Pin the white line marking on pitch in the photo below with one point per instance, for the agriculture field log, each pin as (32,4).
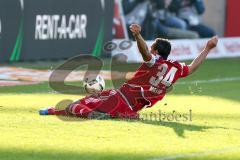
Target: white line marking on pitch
(229,79)
(197,154)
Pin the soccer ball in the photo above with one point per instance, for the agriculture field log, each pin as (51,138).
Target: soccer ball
(94,85)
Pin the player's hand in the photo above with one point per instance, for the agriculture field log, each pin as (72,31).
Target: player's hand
(135,29)
(212,43)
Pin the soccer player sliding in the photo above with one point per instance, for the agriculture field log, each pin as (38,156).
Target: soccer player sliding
(149,85)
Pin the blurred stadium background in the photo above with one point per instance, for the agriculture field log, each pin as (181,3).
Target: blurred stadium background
(38,36)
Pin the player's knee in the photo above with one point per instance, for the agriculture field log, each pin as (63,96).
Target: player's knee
(79,110)
(72,108)
(68,109)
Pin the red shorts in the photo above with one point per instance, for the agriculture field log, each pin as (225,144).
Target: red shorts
(112,102)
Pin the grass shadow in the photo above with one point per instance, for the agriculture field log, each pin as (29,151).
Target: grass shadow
(181,128)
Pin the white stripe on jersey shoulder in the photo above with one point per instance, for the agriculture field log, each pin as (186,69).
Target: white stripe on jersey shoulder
(182,65)
(152,61)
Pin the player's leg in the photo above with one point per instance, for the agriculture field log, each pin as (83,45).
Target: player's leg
(53,111)
(83,111)
(109,104)
(75,109)
(62,108)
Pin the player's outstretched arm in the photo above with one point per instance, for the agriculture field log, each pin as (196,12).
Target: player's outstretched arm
(212,43)
(142,46)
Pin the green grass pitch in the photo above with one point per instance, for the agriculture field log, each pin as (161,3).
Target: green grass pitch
(213,133)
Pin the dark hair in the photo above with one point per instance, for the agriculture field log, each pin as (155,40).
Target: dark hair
(163,46)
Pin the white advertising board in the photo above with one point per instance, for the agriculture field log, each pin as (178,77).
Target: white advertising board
(186,49)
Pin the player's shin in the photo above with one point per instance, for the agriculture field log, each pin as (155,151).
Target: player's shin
(62,112)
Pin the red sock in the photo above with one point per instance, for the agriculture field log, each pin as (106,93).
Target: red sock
(60,112)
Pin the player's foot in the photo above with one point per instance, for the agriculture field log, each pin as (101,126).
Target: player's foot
(47,111)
